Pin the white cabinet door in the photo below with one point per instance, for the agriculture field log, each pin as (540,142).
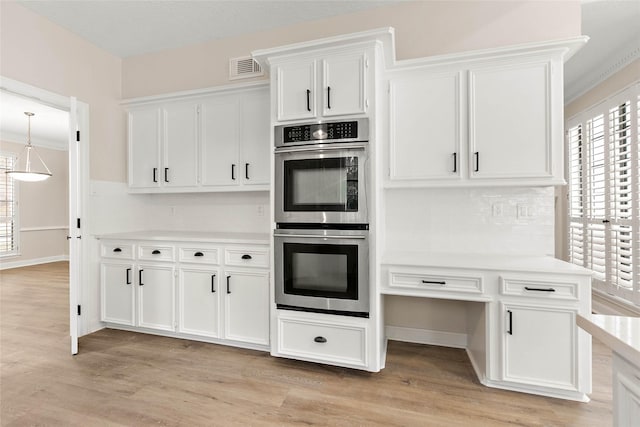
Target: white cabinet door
(344,84)
(296,90)
(144,148)
(180,168)
(255,139)
(220,139)
(539,345)
(156,297)
(117,293)
(247,306)
(425,113)
(510,121)
(199,302)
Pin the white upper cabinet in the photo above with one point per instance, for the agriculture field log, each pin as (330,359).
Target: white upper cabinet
(324,86)
(425,113)
(509,121)
(201,142)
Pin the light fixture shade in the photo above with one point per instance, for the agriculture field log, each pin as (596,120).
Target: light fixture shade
(29,166)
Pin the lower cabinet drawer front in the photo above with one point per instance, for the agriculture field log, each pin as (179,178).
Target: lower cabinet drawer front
(116,250)
(199,255)
(531,287)
(318,341)
(247,257)
(155,253)
(431,281)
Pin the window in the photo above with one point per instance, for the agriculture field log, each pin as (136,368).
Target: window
(604,205)
(8,212)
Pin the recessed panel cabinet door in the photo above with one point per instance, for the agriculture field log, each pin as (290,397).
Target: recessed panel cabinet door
(539,346)
(247,306)
(199,296)
(343,89)
(425,127)
(510,121)
(255,139)
(156,297)
(117,292)
(296,90)
(144,148)
(181,145)
(220,141)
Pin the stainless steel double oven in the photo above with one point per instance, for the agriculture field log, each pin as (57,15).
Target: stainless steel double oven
(322,180)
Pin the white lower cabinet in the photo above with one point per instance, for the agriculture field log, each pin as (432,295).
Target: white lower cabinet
(194,297)
(539,345)
(247,306)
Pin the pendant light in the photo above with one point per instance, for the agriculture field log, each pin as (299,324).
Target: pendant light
(24,169)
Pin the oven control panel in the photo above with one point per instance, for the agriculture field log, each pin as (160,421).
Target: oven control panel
(347,131)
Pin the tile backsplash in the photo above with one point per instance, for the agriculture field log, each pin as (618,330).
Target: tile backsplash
(517,221)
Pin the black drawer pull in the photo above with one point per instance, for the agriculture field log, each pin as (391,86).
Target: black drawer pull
(510,331)
(128,276)
(245,256)
(434,282)
(321,340)
(198,254)
(213,283)
(140,278)
(155,174)
(166,171)
(117,250)
(155,252)
(539,289)
(455,162)
(228,289)
(477,159)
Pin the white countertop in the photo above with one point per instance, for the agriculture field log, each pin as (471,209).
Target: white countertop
(620,333)
(192,236)
(505,262)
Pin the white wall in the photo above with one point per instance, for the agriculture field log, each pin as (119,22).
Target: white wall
(42,211)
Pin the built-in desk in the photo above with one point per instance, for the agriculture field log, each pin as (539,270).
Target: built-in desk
(622,335)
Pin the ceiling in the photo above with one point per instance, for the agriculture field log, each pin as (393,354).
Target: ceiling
(127,28)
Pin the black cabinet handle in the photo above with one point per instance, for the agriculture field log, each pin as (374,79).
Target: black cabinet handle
(233,171)
(540,289)
(434,282)
(328,97)
(246,170)
(228,289)
(166,171)
(246,256)
(455,162)
(155,252)
(213,283)
(128,276)
(198,254)
(510,331)
(605,221)
(308,100)
(321,340)
(140,278)
(117,250)
(155,174)
(477,158)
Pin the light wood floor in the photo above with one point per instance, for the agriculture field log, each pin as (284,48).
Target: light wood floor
(123,378)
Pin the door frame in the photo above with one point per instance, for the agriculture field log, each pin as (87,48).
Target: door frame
(78,119)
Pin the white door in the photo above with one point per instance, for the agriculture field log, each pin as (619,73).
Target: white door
(75,232)
(255,138)
(296,90)
(117,291)
(156,297)
(247,306)
(144,148)
(180,167)
(343,88)
(220,139)
(198,297)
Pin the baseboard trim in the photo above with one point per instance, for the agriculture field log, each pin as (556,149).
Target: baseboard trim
(426,336)
(34,261)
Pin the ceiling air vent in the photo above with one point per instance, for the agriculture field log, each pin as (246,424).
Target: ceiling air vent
(244,68)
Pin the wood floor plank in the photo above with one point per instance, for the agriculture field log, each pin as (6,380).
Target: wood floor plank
(122,378)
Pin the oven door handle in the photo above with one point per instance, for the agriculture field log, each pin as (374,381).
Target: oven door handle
(314,236)
(347,146)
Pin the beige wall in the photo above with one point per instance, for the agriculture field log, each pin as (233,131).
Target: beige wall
(423,28)
(42,209)
(37,52)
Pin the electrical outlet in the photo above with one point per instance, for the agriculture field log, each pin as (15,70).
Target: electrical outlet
(497,209)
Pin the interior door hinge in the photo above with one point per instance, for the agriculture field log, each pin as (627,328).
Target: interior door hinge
(79,310)
(78,223)
(78,136)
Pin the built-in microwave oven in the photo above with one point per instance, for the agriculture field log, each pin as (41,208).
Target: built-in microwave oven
(322,173)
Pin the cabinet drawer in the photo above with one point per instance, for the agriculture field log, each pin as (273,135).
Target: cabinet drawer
(116,250)
(433,280)
(537,288)
(199,255)
(319,341)
(247,257)
(156,252)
